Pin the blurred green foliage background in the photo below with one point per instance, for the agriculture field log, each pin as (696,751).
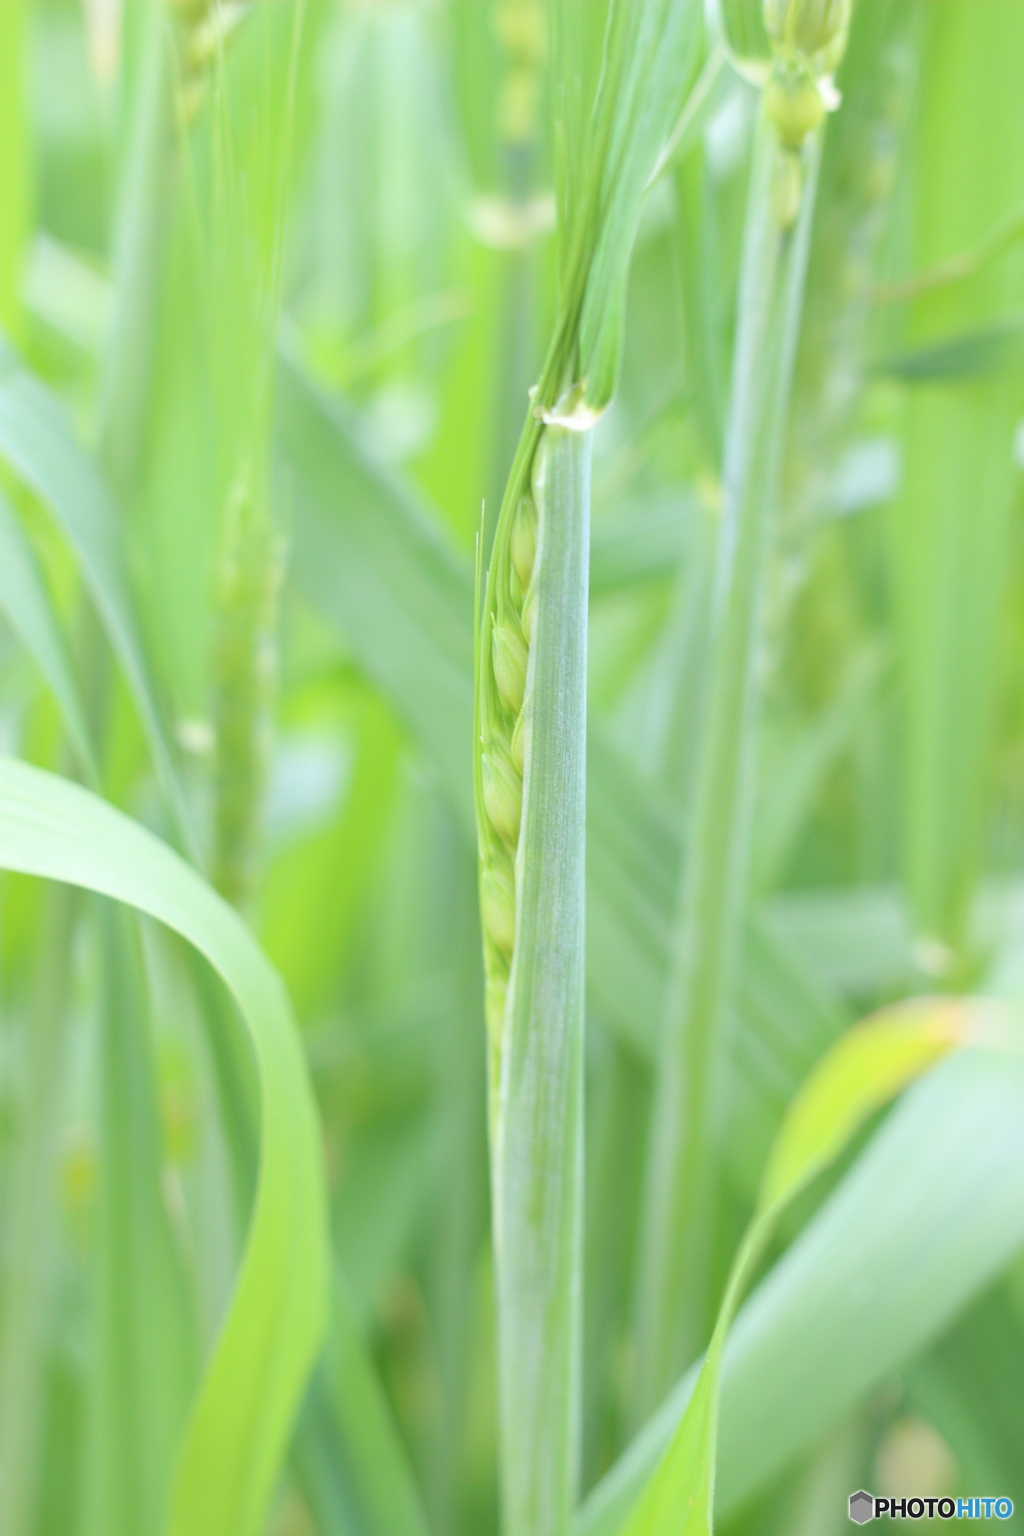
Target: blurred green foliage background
(275,278)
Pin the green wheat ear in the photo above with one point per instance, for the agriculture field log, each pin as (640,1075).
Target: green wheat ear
(504,731)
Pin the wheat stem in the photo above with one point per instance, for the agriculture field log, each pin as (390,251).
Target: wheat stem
(674,1302)
(530,760)
(531,719)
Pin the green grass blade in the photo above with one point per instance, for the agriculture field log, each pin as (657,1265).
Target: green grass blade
(315,886)
(874,1275)
(348,1456)
(928,1261)
(144,204)
(951,527)
(15,152)
(856,201)
(28,1285)
(364,551)
(678,1500)
(965,1387)
(867,1068)
(37,441)
(147,1355)
(30,612)
(864,1070)
(700,260)
(238,1426)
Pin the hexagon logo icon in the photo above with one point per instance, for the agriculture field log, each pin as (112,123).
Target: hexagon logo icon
(862,1507)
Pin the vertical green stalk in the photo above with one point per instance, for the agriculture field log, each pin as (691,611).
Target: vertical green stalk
(244,666)
(674,1304)
(146,1335)
(145,1361)
(462,1220)
(251,150)
(145,203)
(15,213)
(531,791)
(858,183)
(27,1288)
(951,527)
(530,761)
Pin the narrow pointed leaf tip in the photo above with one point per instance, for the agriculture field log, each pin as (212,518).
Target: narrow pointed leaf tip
(864,1070)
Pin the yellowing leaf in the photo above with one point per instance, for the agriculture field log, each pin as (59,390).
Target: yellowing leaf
(866,1068)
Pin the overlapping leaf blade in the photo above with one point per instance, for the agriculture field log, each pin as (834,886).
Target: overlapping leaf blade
(29,610)
(861,1072)
(238,1426)
(37,441)
(874,1276)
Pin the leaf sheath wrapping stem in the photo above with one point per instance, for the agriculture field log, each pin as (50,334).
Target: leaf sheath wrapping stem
(537,1060)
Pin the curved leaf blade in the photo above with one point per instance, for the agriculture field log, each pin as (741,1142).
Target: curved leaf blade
(240,1421)
(879,1271)
(875,1275)
(864,1070)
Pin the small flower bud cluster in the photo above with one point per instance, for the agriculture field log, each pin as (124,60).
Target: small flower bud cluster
(815,29)
(504,722)
(203,29)
(521,26)
(808,40)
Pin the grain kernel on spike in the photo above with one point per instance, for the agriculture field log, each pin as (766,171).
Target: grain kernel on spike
(521,741)
(508,650)
(539,472)
(529,613)
(503,791)
(495,993)
(498,906)
(523,544)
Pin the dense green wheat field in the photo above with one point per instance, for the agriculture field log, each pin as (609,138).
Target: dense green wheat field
(511,651)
